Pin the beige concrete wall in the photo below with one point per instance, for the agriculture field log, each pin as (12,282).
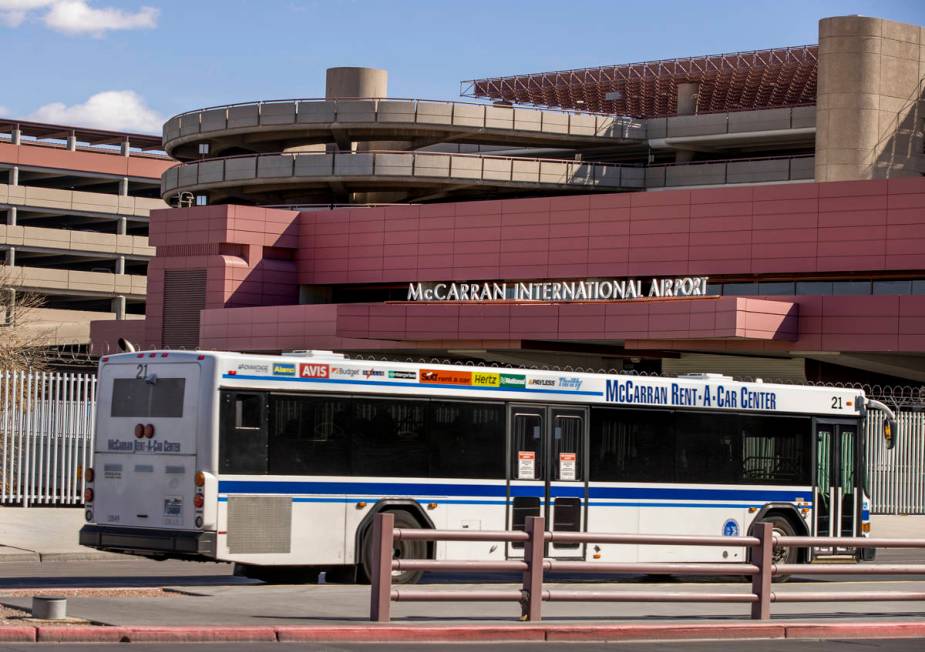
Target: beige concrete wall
(59,327)
(65,241)
(73,200)
(64,281)
(869,109)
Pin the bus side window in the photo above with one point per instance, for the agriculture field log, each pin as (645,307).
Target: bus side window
(243,433)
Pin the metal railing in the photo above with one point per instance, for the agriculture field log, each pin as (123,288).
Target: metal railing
(761,569)
(46,433)
(896,478)
(256,169)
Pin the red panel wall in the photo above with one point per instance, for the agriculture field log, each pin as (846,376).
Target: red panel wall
(777,229)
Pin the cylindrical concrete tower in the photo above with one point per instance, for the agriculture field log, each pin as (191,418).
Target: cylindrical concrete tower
(347,82)
(868,107)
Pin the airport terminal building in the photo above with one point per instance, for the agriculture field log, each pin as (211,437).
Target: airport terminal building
(756,214)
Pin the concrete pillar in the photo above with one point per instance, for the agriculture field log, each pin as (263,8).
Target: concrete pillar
(72,141)
(10,257)
(120,265)
(14,175)
(123,186)
(355,82)
(122,226)
(126,147)
(16,135)
(11,216)
(352,82)
(687,98)
(868,109)
(118,306)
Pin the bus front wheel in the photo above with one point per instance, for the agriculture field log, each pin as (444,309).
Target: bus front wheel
(401,550)
(782,527)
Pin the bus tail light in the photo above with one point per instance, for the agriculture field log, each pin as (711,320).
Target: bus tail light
(149,430)
(88,495)
(198,501)
(139,430)
(200,479)
(865,528)
(89,474)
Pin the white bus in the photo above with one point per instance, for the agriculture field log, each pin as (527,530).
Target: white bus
(279,463)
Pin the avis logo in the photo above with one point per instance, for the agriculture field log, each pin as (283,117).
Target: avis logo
(314,371)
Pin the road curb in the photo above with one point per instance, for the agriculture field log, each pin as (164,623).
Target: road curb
(440,633)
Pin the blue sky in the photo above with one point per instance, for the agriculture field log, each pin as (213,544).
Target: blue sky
(154,58)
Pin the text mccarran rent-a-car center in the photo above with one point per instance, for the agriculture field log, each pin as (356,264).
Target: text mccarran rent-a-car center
(738,213)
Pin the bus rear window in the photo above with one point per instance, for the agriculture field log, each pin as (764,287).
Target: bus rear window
(134,397)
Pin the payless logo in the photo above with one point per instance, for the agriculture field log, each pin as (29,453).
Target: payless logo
(482,379)
(436,377)
(283,369)
(309,370)
(542,382)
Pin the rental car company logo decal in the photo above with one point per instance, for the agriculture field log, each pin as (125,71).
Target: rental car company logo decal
(402,375)
(313,370)
(446,377)
(283,369)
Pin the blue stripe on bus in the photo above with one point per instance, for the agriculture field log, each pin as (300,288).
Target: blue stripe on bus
(500,490)
(344,500)
(387,383)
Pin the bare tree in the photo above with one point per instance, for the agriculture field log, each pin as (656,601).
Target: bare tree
(21,347)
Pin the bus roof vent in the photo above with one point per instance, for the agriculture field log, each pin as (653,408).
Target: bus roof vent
(703,376)
(307,353)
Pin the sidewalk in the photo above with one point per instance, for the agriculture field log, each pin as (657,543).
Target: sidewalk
(44,534)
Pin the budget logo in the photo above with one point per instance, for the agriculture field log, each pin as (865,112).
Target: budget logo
(283,369)
(483,379)
(513,380)
(309,370)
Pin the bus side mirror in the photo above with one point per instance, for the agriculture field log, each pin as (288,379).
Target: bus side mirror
(889,432)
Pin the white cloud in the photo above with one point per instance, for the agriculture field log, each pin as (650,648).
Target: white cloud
(77,16)
(114,110)
(14,12)
(4,112)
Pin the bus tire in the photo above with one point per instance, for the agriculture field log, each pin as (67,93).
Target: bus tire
(782,526)
(402,550)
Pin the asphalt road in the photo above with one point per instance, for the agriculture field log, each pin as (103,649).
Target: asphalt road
(854,645)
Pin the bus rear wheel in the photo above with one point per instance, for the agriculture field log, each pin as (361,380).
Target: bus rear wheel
(782,527)
(401,550)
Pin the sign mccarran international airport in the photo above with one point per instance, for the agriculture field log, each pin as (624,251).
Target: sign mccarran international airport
(561,291)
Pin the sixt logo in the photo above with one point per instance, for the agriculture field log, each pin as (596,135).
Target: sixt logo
(280,369)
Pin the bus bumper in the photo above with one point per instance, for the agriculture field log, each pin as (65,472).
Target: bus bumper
(149,542)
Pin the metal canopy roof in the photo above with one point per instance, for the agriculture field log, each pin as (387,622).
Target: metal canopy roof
(728,82)
(41,130)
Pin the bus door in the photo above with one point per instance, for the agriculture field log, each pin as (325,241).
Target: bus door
(837,493)
(546,465)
